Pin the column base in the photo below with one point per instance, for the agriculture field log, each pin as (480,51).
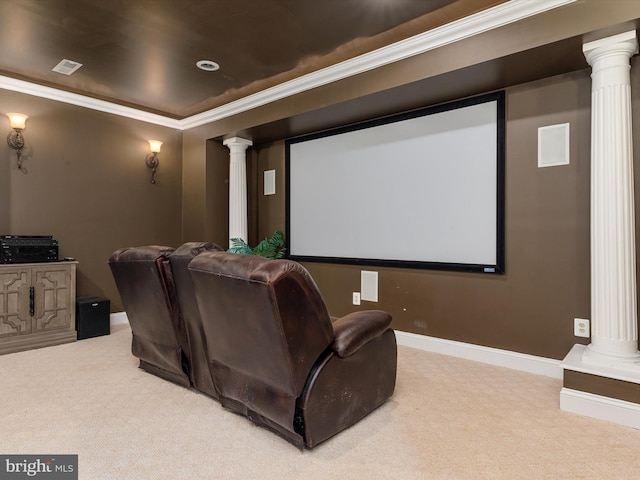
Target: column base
(620,361)
(608,390)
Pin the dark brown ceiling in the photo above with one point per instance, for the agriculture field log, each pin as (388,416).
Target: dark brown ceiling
(142,53)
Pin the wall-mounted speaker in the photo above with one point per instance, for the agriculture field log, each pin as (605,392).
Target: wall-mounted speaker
(369,286)
(553,145)
(270,182)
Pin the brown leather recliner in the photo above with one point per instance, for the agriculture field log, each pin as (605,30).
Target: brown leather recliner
(159,337)
(276,356)
(190,316)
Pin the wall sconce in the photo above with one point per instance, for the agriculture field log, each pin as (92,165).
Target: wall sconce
(15,140)
(152,160)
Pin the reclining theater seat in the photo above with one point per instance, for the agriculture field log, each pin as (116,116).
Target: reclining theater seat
(277,358)
(190,316)
(159,339)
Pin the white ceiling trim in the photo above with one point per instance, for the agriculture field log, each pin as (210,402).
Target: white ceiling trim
(484,21)
(21,86)
(492,18)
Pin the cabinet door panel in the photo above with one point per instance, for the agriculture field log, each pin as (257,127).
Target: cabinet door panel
(53,309)
(14,303)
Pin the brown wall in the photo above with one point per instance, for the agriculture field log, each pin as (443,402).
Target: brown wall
(529,309)
(217,202)
(88,186)
(539,62)
(269,209)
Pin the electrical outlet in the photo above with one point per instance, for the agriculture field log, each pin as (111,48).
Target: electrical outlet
(581,327)
(356,298)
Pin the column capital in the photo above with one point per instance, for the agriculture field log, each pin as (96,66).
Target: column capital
(624,43)
(237,142)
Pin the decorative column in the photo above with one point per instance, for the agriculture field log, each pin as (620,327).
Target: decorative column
(614,330)
(237,187)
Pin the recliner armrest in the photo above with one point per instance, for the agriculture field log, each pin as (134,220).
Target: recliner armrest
(357,328)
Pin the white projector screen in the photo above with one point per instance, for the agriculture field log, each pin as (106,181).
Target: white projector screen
(422,189)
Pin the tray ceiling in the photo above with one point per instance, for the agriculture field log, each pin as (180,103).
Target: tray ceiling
(143,53)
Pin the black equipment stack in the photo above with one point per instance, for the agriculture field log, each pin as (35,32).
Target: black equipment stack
(28,249)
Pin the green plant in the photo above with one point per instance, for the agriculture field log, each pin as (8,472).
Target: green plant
(272,247)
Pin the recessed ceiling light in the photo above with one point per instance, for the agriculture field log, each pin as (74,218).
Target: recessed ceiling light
(207,65)
(66,67)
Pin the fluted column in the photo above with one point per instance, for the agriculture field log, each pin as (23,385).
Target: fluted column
(237,187)
(614,331)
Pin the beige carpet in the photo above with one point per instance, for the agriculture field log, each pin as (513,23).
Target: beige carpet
(448,419)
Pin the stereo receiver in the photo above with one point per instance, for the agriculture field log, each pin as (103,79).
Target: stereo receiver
(28,249)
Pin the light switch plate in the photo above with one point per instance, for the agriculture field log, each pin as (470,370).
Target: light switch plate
(356,298)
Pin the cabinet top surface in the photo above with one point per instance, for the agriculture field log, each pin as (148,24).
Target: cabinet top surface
(39,264)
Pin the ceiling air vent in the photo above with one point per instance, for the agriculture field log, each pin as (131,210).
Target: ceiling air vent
(67,67)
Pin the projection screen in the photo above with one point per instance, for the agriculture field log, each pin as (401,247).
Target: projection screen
(422,189)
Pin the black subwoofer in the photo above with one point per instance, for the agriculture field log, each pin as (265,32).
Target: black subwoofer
(92,317)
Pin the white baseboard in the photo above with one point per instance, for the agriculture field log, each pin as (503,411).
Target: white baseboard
(602,408)
(477,353)
(574,401)
(118,318)
(598,406)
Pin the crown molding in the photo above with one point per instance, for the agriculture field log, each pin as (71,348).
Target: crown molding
(7,83)
(492,18)
(486,20)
